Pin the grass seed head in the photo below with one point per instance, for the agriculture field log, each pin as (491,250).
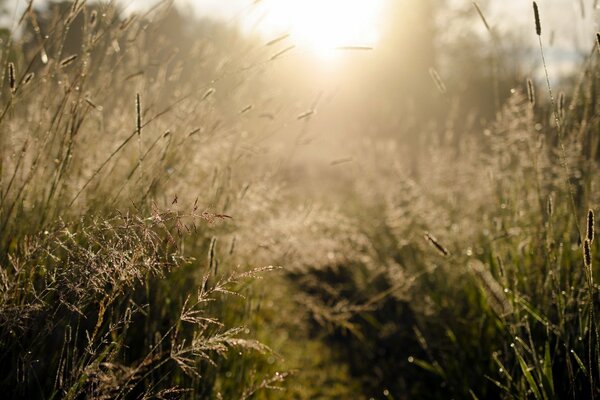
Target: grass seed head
(68,60)
(590,226)
(438,246)
(93,18)
(587,253)
(530,92)
(561,104)
(538,25)
(28,78)
(138,111)
(12,81)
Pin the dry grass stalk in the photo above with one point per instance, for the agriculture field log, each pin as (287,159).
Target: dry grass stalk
(487,26)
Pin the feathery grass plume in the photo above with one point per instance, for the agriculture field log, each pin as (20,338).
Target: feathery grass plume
(590,226)
(587,253)
(437,80)
(487,26)
(530,91)
(433,241)
(68,60)
(598,40)
(12,81)
(28,78)
(538,25)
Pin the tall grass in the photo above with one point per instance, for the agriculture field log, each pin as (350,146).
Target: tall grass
(104,293)
(138,216)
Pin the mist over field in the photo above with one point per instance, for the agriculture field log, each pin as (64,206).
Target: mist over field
(284,199)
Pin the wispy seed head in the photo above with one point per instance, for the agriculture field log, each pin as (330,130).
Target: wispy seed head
(590,226)
(536,13)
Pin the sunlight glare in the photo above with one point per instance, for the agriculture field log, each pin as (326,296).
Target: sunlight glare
(321,26)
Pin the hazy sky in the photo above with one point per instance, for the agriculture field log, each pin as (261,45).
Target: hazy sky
(563,20)
(564,17)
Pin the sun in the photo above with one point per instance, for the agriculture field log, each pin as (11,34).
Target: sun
(321,26)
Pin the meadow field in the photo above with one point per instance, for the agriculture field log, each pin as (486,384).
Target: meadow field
(190,208)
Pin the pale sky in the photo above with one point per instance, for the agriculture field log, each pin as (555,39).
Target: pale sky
(562,20)
(563,17)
